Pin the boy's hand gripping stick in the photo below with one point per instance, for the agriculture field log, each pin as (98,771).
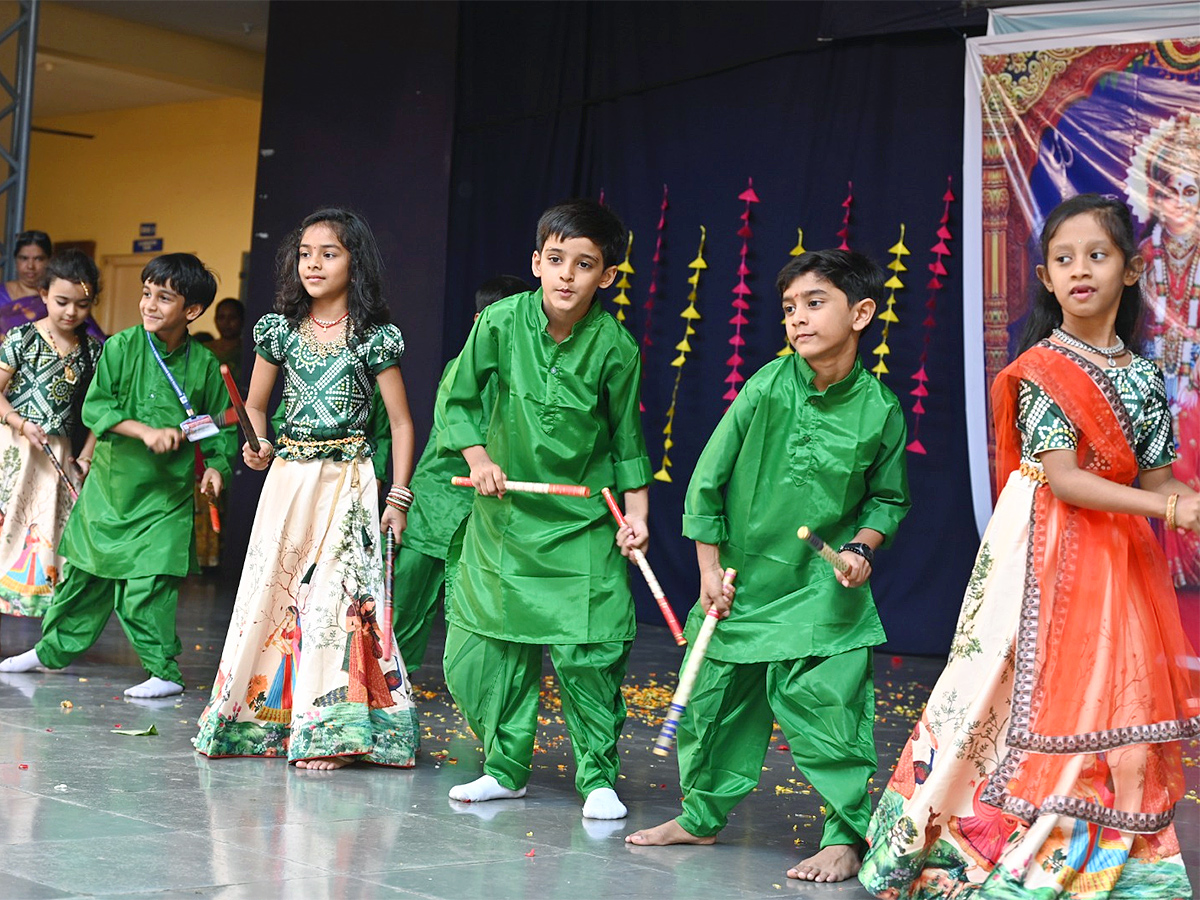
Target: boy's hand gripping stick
(687,678)
(826,552)
(655,588)
(239,408)
(533,487)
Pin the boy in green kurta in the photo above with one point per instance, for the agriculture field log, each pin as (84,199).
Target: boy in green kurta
(439,509)
(538,569)
(129,542)
(812,439)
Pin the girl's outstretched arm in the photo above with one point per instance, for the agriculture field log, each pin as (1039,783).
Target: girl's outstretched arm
(1079,487)
(395,401)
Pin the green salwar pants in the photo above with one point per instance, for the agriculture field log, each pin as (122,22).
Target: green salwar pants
(417,586)
(145,607)
(496,686)
(826,709)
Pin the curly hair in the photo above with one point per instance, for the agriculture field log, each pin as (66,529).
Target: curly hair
(365,297)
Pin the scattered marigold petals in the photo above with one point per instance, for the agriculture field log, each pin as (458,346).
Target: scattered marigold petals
(67,704)
(23,766)
(530,853)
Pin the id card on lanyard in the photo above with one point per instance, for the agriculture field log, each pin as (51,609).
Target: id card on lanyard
(194,427)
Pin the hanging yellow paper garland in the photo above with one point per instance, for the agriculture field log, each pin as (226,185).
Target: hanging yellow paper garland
(689,315)
(622,299)
(888,316)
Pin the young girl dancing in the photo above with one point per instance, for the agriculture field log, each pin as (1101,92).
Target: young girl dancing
(303,672)
(45,369)
(1047,761)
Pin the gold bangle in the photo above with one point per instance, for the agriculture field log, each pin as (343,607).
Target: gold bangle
(1171,501)
(82,459)
(4,418)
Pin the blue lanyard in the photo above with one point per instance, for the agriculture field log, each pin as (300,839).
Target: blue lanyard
(183,398)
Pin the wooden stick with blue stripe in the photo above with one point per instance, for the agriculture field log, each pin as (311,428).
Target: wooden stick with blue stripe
(687,679)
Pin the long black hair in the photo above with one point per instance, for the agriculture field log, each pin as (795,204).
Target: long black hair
(76,267)
(365,297)
(1045,314)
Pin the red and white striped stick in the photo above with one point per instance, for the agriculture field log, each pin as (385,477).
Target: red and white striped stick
(826,552)
(62,473)
(533,487)
(655,588)
(687,678)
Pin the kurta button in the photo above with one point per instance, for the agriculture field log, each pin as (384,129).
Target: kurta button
(554,370)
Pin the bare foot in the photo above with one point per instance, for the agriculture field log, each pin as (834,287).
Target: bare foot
(837,862)
(324,763)
(670,832)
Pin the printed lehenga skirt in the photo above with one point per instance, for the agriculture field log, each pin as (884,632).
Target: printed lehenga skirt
(302,674)
(982,804)
(35,504)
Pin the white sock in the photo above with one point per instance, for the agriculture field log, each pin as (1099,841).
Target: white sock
(603,803)
(154,687)
(22,662)
(484,788)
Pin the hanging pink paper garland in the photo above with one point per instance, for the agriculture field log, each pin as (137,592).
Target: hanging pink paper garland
(740,292)
(844,234)
(652,293)
(938,269)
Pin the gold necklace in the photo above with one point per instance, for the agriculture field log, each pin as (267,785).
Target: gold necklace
(68,373)
(308,337)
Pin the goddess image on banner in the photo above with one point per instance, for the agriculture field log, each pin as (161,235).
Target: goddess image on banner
(1062,113)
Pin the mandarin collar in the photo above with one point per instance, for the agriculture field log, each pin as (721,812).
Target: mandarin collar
(588,317)
(805,373)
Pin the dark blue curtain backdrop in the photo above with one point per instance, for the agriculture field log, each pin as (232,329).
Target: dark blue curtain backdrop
(557,100)
(453,125)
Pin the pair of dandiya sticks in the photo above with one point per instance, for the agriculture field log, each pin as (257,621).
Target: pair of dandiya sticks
(687,678)
(389,556)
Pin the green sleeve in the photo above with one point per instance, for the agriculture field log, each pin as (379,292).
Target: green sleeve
(630,462)
(887,501)
(102,406)
(704,515)
(477,362)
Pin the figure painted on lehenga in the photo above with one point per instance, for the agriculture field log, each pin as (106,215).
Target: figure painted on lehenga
(276,699)
(1164,192)
(363,652)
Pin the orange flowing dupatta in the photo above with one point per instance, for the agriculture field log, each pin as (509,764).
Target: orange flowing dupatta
(1104,688)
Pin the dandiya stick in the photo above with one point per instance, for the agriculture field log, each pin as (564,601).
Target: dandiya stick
(826,552)
(687,678)
(389,568)
(533,487)
(239,408)
(62,473)
(655,588)
(214,517)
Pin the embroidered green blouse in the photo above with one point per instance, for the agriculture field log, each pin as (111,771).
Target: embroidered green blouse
(784,455)
(1143,393)
(134,514)
(327,388)
(538,568)
(44,383)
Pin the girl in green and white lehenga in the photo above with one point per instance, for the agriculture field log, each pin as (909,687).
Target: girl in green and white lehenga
(45,369)
(305,673)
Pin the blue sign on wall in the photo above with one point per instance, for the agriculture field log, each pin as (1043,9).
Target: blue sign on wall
(147,229)
(148,245)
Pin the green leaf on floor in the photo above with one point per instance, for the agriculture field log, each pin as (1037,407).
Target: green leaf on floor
(141,732)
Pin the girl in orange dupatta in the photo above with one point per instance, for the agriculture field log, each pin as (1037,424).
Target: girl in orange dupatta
(1047,761)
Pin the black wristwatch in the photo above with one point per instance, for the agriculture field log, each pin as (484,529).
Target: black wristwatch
(863,550)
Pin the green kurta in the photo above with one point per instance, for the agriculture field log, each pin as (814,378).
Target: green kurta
(439,507)
(43,383)
(134,514)
(538,568)
(784,455)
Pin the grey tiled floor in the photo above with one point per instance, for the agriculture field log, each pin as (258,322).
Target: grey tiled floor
(86,812)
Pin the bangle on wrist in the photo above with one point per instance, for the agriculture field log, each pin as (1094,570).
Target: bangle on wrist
(860,549)
(399,498)
(83,459)
(4,418)
(1170,517)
